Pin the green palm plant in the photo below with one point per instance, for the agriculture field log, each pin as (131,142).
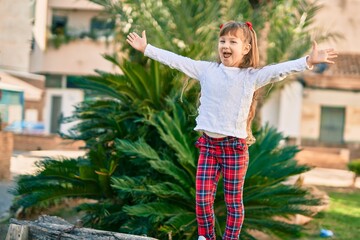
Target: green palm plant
(130,99)
(168,194)
(86,177)
(169,205)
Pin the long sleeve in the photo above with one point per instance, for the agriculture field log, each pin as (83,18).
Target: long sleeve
(190,67)
(277,72)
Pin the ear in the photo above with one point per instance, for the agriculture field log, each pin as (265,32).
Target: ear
(247,48)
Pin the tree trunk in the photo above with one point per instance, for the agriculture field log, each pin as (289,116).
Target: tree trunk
(49,227)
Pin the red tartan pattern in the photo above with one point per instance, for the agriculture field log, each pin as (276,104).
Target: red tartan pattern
(227,156)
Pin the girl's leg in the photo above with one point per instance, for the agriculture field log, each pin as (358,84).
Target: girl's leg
(207,176)
(235,162)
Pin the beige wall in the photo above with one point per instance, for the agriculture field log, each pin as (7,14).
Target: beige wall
(30,142)
(311,111)
(310,121)
(15,35)
(74,4)
(6,150)
(78,21)
(352,124)
(342,17)
(79,57)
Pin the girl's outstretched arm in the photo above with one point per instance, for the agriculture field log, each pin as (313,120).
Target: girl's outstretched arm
(137,42)
(277,72)
(320,56)
(190,67)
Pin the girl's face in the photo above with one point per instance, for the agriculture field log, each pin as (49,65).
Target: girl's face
(232,49)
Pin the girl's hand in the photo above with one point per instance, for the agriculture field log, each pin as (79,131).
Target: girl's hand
(320,56)
(137,42)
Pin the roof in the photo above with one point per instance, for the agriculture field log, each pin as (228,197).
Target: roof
(10,87)
(347,65)
(9,82)
(343,75)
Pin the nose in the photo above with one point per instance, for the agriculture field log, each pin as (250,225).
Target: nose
(226,45)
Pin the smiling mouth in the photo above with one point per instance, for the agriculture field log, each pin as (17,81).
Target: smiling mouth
(226,54)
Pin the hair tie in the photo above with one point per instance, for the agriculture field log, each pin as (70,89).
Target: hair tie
(249,24)
(221,26)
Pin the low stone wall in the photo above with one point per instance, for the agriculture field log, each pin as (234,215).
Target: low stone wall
(50,227)
(336,158)
(31,142)
(6,150)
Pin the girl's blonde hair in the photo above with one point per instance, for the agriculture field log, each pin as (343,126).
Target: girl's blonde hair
(251,59)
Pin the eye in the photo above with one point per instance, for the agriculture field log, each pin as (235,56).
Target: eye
(222,41)
(233,41)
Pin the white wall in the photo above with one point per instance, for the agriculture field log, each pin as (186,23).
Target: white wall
(283,109)
(270,110)
(70,97)
(15,35)
(290,109)
(40,23)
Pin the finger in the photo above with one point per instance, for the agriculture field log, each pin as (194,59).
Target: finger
(130,37)
(143,34)
(134,35)
(332,56)
(130,42)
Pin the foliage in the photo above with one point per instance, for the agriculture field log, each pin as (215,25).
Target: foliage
(185,27)
(354,166)
(87,177)
(265,195)
(285,29)
(342,217)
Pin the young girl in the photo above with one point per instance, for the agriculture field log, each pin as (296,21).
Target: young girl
(225,113)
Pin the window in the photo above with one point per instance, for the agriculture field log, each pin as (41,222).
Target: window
(10,97)
(332,125)
(58,25)
(72,81)
(53,81)
(101,26)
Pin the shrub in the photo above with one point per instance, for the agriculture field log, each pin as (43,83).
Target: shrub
(354,166)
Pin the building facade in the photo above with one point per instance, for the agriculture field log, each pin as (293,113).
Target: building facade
(15,47)
(50,44)
(322,108)
(69,39)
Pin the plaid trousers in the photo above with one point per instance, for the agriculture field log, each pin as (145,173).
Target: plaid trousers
(229,156)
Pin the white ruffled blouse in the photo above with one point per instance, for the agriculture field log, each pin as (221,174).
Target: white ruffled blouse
(226,92)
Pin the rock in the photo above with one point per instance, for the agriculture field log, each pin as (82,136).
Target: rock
(50,227)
